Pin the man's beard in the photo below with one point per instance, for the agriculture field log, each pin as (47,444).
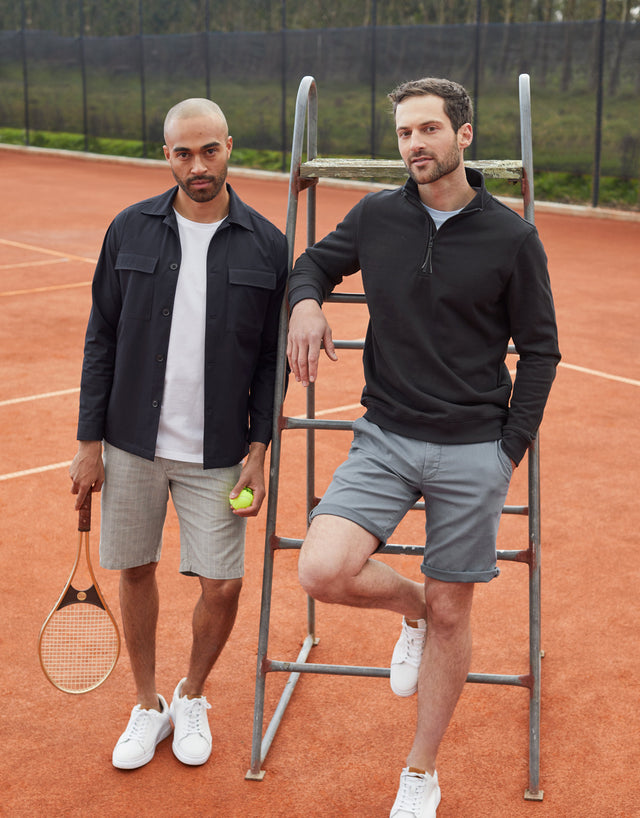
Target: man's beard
(206,194)
(437,168)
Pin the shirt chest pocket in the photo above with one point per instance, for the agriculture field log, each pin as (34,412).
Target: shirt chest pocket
(136,280)
(249,293)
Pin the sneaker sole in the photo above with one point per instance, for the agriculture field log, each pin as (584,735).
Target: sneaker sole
(191,761)
(404,694)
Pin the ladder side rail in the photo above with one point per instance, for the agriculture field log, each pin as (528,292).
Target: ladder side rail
(306,100)
(312,152)
(533,792)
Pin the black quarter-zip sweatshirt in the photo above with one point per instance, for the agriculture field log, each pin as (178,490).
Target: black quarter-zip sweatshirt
(443,307)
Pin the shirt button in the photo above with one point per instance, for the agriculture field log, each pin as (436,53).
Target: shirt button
(173,266)
(159,358)
(166,311)
(155,404)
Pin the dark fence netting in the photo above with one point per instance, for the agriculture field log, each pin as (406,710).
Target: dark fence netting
(585,79)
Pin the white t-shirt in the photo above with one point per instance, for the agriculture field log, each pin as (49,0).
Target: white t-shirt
(440,216)
(181,429)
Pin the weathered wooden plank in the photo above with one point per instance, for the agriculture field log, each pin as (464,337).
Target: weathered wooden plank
(510,169)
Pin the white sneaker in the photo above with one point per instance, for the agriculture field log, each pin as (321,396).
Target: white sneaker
(146,729)
(418,796)
(407,655)
(191,733)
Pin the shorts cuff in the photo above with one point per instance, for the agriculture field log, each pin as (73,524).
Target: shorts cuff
(459,576)
(353,516)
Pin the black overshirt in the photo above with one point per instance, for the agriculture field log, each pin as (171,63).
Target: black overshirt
(127,336)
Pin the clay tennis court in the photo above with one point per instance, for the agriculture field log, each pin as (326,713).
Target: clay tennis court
(343,740)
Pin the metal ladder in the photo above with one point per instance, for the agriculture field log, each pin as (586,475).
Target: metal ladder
(304,176)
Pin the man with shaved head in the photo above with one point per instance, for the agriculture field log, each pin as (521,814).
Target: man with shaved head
(176,398)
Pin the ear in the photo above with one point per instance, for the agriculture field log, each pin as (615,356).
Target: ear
(465,136)
(167,152)
(229,146)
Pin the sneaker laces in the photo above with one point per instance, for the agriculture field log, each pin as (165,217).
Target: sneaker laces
(195,711)
(412,644)
(411,792)
(137,727)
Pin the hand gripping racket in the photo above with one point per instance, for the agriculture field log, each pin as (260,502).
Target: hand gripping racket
(79,642)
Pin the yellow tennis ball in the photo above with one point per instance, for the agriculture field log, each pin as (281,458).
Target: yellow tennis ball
(243,500)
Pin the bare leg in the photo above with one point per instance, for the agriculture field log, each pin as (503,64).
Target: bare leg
(213,620)
(139,607)
(444,668)
(335,565)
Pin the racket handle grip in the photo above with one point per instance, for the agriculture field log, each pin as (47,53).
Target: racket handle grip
(84,515)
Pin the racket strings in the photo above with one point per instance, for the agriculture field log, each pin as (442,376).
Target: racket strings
(79,647)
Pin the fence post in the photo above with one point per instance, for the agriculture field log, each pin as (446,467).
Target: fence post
(83,76)
(25,72)
(207,56)
(598,134)
(476,80)
(283,80)
(143,93)
(374,58)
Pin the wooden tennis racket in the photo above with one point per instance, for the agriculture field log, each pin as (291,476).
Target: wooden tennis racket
(79,643)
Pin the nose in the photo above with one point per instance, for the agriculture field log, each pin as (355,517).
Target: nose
(198,165)
(416,142)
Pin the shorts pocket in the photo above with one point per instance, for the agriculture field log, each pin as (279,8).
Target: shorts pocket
(505,460)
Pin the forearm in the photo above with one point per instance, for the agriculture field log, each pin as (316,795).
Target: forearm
(530,394)
(535,335)
(322,267)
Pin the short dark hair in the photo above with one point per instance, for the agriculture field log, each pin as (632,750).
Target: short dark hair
(457,103)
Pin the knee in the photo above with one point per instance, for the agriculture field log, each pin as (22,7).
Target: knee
(317,579)
(139,575)
(221,592)
(448,607)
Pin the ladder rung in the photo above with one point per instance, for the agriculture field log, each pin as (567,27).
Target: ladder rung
(272,665)
(510,169)
(293,544)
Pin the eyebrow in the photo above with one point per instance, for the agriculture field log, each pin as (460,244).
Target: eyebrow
(215,143)
(401,127)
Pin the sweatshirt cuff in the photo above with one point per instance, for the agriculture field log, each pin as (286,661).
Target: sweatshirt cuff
(515,446)
(303,294)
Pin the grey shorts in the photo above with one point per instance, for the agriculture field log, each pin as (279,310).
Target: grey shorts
(464,488)
(134,506)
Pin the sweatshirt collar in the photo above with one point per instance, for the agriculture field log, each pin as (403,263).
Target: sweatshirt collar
(475,179)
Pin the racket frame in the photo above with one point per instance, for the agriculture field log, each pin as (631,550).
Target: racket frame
(71,595)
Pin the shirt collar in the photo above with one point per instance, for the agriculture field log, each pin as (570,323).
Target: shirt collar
(162,205)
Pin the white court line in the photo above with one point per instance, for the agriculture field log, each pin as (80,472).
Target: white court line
(47,251)
(34,263)
(39,397)
(344,408)
(39,470)
(49,289)
(599,374)
(59,257)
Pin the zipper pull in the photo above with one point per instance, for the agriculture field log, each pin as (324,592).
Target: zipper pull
(426,268)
